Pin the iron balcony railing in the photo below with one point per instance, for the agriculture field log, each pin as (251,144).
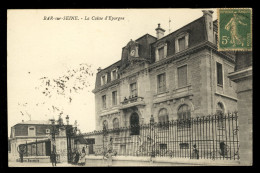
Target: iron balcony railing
(207,137)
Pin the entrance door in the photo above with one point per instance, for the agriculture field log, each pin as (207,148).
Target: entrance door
(134,123)
(91,150)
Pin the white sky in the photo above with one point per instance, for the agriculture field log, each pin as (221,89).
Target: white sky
(49,47)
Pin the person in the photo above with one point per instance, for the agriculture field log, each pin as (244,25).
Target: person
(109,157)
(21,155)
(195,152)
(53,158)
(77,157)
(83,150)
(82,157)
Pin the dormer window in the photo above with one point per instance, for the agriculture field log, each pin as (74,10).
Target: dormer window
(215,37)
(181,42)
(31,131)
(104,79)
(161,51)
(114,75)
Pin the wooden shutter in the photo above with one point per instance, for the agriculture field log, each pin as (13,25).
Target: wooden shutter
(182,76)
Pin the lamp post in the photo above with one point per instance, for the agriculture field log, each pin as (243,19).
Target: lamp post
(68,135)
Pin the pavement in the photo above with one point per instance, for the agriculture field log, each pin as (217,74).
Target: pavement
(31,164)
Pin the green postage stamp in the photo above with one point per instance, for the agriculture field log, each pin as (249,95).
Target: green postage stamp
(235,29)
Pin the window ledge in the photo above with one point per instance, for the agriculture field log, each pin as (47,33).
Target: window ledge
(161,93)
(220,85)
(189,85)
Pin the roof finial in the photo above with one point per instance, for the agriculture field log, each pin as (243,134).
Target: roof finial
(169,25)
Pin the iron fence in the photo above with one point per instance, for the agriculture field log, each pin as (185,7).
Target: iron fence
(207,137)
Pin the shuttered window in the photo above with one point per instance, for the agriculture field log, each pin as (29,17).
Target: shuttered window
(182,76)
(181,43)
(161,53)
(133,90)
(161,83)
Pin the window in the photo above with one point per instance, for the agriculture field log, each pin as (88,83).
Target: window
(133,90)
(215,38)
(48,131)
(161,83)
(116,125)
(105,124)
(163,146)
(220,114)
(182,76)
(134,124)
(104,79)
(219,74)
(114,74)
(163,118)
(181,42)
(31,131)
(220,108)
(104,101)
(114,98)
(161,53)
(184,146)
(184,112)
(184,116)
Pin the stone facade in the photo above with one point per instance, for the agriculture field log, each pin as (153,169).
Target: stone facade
(243,78)
(149,77)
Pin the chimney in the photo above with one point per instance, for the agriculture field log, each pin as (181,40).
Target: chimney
(159,32)
(99,69)
(209,24)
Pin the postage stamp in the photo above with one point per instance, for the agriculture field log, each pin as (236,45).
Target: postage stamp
(235,29)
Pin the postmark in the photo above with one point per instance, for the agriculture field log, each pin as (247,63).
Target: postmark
(234,29)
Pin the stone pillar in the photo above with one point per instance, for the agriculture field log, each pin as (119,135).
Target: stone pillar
(243,78)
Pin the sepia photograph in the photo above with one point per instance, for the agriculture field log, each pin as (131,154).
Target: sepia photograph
(129,87)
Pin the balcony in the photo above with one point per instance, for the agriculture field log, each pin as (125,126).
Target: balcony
(132,101)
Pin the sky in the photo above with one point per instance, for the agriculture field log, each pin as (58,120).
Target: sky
(39,48)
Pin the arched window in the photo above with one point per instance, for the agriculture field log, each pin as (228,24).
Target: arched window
(220,114)
(184,116)
(115,123)
(134,124)
(163,117)
(105,125)
(184,112)
(116,126)
(220,108)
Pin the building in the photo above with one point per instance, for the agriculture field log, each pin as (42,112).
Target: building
(36,136)
(169,76)
(242,76)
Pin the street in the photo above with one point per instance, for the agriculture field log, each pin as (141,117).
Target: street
(32,164)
